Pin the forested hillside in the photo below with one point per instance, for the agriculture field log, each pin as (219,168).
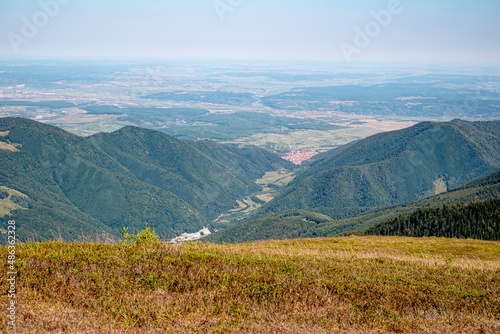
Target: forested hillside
(394,168)
(75,186)
(304,224)
(477,220)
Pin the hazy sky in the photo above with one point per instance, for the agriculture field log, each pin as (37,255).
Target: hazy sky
(419,30)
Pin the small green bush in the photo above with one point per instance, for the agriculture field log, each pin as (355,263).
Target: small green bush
(145,236)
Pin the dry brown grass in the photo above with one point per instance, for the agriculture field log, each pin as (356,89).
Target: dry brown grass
(428,252)
(342,285)
(8,147)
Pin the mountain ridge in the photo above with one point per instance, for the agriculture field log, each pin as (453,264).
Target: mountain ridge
(129,177)
(393,168)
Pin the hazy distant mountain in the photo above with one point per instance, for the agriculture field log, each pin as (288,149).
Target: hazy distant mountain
(84,186)
(391,98)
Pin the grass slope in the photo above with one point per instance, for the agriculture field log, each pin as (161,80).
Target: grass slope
(343,285)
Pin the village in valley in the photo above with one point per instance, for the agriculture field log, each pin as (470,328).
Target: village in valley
(298,157)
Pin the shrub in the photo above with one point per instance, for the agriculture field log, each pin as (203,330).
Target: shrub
(145,236)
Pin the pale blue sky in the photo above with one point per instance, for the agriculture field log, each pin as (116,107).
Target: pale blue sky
(424,30)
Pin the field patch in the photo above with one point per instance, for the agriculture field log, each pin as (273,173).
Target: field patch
(440,186)
(11,200)
(8,147)
(276,178)
(266,197)
(271,182)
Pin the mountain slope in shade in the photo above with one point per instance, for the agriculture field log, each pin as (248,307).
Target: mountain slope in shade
(487,188)
(176,166)
(286,225)
(86,186)
(393,168)
(303,224)
(236,158)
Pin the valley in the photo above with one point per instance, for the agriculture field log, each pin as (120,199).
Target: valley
(130,177)
(271,183)
(135,177)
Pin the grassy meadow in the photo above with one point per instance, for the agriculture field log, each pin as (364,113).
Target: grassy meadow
(340,285)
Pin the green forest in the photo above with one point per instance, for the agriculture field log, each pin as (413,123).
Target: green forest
(477,221)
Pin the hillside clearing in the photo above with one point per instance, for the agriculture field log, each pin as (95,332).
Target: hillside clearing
(440,186)
(276,178)
(8,147)
(7,205)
